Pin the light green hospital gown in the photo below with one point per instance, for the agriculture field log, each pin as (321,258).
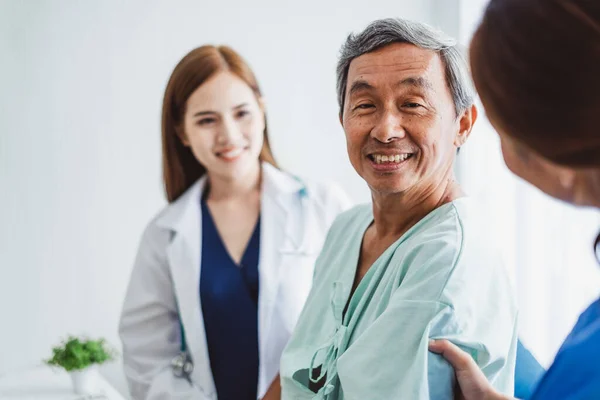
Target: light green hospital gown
(441,279)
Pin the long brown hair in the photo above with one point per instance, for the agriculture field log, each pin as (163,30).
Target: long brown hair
(180,167)
(536,66)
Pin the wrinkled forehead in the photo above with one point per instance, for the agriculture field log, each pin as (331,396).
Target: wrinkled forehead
(394,62)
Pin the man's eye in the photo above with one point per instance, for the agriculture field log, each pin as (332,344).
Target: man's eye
(412,105)
(363,106)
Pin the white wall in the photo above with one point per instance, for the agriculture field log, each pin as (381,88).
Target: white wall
(81,88)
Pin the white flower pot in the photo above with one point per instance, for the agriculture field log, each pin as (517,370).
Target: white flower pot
(85,381)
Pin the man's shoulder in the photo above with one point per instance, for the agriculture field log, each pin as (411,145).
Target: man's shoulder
(343,233)
(452,245)
(350,220)
(442,229)
(456,227)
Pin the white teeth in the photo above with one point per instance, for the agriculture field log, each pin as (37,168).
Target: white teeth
(379,158)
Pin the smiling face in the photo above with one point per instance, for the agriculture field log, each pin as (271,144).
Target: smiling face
(224,126)
(401,127)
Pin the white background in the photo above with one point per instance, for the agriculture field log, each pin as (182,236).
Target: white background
(81,85)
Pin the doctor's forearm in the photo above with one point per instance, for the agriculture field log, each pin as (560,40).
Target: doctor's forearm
(274,392)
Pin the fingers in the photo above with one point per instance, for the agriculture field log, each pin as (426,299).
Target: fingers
(460,360)
(473,383)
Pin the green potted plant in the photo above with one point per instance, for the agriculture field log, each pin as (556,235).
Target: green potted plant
(79,357)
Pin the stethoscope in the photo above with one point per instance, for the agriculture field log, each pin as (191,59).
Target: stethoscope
(182,365)
(302,247)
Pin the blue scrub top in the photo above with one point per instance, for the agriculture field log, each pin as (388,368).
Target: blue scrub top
(575,373)
(229,297)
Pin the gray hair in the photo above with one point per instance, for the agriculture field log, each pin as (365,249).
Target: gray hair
(391,30)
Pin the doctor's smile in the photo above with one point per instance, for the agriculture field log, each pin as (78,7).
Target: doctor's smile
(231,154)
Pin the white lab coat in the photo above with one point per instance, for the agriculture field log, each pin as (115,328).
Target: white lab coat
(165,285)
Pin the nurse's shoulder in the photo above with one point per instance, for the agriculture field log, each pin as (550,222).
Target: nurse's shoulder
(574,374)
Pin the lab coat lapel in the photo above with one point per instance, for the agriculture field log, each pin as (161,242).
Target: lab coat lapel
(184,255)
(278,209)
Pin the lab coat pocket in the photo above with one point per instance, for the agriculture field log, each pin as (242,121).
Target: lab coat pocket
(296,281)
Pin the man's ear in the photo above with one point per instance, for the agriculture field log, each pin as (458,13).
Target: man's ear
(465,125)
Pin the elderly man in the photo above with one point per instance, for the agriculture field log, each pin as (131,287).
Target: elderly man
(414,265)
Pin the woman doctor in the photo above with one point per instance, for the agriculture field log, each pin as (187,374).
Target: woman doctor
(223,271)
